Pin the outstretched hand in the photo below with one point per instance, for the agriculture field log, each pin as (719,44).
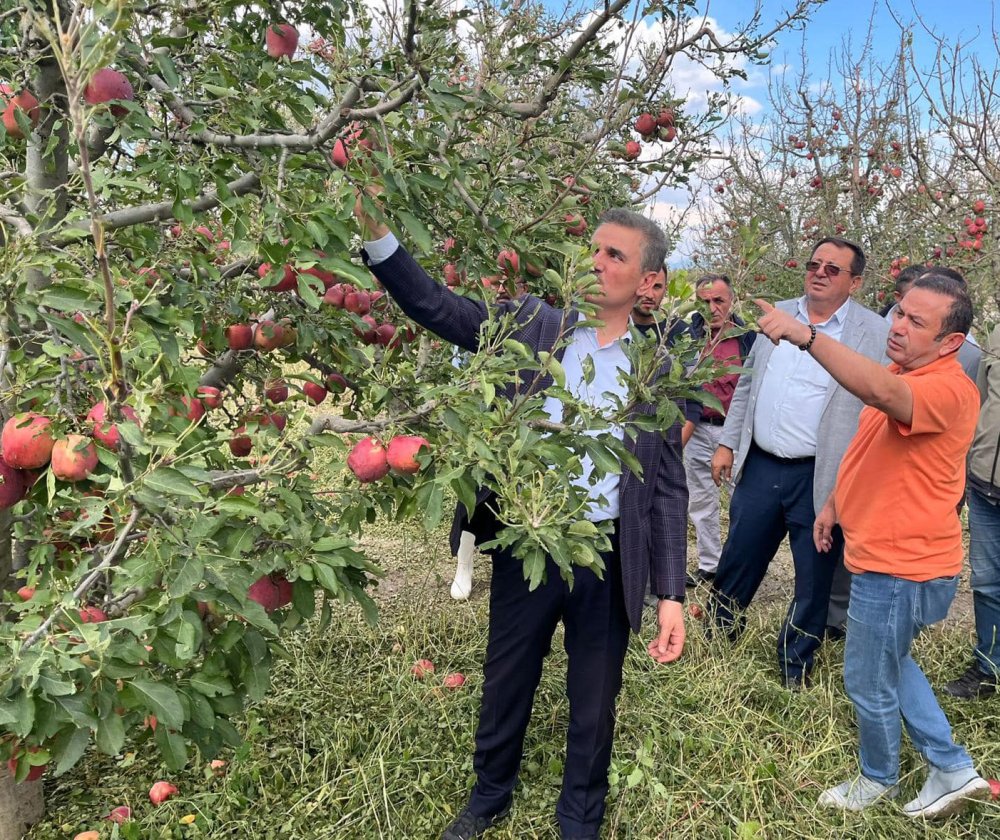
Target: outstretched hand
(777,324)
(371,228)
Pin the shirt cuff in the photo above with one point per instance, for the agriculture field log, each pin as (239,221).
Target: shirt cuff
(381,249)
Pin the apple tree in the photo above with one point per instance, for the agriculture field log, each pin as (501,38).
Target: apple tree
(894,155)
(180,291)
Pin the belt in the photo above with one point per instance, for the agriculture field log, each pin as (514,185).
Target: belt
(807,459)
(713,421)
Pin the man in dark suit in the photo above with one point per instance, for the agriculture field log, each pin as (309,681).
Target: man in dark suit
(648,542)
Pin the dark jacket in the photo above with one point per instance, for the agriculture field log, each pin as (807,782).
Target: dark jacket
(653,510)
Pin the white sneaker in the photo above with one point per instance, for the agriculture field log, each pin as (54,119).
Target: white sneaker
(857,794)
(944,793)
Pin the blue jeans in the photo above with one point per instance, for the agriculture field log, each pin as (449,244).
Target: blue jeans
(984,557)
(883,681)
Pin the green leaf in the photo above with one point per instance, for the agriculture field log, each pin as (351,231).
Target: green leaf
(170,482)
(172,748)
(162,700)
(187,577)
(73,751)
(110,735)
(67,299)
(166,68)
(416,230)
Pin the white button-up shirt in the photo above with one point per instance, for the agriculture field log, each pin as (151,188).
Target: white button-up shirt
(792,393)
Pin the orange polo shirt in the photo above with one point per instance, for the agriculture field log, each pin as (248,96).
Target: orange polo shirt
(898,485)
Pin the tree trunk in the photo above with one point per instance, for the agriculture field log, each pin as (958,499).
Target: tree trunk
(21,805)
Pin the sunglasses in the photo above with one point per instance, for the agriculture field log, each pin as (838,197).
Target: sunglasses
(832,271)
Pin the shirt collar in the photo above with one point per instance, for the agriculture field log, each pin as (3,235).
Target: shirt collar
(837,317)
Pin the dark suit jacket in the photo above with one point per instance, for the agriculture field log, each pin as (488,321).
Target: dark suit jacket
(653,510)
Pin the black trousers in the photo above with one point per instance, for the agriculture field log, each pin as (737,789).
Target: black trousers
(520,636)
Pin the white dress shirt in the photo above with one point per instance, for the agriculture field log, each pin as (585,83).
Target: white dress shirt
(793,391)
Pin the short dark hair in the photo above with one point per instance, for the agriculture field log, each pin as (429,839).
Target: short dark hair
(858,261)
(709,279)
(908,275)
(654,248)
(959,317)
(944,271)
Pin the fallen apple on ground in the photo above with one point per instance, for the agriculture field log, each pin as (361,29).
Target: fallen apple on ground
(421,668)
(456,680)
(160,792)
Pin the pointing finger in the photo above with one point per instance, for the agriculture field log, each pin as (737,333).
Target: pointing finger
(764,306)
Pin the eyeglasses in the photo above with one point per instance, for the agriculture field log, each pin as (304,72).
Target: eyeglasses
(832,271)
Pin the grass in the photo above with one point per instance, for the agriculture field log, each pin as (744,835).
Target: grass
(349,745)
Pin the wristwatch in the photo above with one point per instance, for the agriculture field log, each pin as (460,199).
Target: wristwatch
(678,598)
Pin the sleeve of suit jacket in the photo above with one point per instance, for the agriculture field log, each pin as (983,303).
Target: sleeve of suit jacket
(668,555)
(431,304)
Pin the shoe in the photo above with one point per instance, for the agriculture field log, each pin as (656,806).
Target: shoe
(834,634)
(699,577)
(946,793)
(857,794)
(974,684)
(796,682)
(468,826)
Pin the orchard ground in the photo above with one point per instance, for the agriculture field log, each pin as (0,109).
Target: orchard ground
(350,745)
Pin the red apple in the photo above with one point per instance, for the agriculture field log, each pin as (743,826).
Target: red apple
(272,592)
(92,615)
(792,264)
(240,444)
(646,124)
(632,150)
(160,792)
(239,336)
(107,432)
(26,593)
(978,206)
(367,460)
(358,302)
(34,774)
(13,485)
(994,788)
(26,102)
(452,275)
(276,390)
(339,155)
(268,335)
(210,396)
(368,335)
(109,85)
(334,296)
(191,409)
(665,118)
(509,262)
(385,335)
(421,668)
(288,282)
(121,814)
(281,39)
(576,225)
(402,453)
(74,457)
(335,383)
(26,441)
(456,680)
(314,393)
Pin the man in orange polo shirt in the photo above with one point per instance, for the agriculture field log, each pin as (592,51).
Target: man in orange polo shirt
(896,495)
